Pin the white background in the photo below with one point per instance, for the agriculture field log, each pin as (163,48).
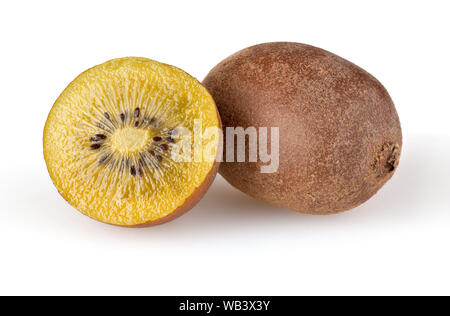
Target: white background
(396,243)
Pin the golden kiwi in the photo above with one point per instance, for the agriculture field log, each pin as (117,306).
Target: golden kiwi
(117,142)
(339,132)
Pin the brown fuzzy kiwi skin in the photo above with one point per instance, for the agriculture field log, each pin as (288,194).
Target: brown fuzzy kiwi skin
(340,135)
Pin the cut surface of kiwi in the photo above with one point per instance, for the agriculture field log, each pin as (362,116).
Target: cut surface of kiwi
(111,137)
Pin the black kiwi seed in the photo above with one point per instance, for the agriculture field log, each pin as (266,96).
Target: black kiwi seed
(107,115)
(95,146)
(136,124)
(157,139)
(136,112)
(103,159)
(170,140)
(122,117)
(164,146)
(100,136)
(159,158)
(153,120)
(133,171)
(140,173)
(151,152)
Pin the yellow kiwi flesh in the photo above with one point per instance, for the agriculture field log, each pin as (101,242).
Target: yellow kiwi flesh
(110,139)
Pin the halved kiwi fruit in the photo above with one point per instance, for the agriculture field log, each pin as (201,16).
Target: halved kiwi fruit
(111,139)
(339,132)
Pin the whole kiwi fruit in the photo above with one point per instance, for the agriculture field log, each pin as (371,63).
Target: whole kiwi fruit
(339,133)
